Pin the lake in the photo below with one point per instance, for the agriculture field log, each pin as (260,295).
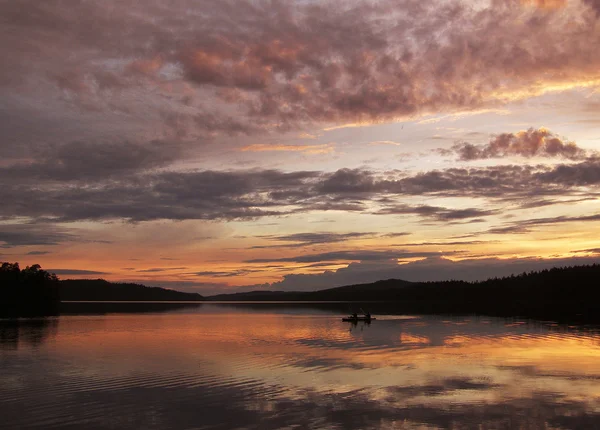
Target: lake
(237,366)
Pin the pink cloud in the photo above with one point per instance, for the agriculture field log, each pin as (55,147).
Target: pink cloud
(279,66)
(528,143)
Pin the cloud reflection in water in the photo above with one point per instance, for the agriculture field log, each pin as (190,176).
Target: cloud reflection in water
(236,367)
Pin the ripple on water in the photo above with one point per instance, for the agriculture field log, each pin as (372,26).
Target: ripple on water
(218,371)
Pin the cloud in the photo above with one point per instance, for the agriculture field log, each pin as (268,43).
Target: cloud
(397,234)
(169,195)
(436,212)
(224,274)
(432,268)
(306,239)
(594,5)
(92,161)
(325,148)
(252,66)
(550,202)
(39,253)
(589,251)
(546,4)
(385,142)
(586,173)
(449,243)
(364,255)
(529,143)
(68,272)
(159,269)
(13,235)
(525,226)
(251,194)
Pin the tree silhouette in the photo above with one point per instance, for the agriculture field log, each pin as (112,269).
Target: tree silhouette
(24,290)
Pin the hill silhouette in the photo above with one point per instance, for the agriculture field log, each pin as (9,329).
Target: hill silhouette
(567,293)
(560,293)
(36,292)
(358,292)
(101,290)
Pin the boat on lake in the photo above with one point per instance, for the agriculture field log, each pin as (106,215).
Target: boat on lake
(358,318)
(354,317)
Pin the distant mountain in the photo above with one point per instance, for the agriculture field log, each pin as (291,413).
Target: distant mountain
(101,290)
(559,293)
(358,292)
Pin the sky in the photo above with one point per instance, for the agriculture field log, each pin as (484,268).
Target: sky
(223,146)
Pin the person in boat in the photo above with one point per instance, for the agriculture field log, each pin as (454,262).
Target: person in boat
(354,315)
(366,314)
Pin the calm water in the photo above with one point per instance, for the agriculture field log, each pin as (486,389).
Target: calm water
(237,366)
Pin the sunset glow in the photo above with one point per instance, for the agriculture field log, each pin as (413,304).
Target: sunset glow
(224,146)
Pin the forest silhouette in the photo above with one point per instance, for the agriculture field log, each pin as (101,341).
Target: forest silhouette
(562,294)
(565,294)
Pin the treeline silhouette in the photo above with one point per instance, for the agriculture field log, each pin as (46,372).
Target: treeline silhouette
(29,291)
(36,292)
(567,293)
(563,294)
(101,290)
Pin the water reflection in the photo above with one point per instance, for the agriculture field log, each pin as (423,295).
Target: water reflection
(26,332)
(103,308)
(234,367)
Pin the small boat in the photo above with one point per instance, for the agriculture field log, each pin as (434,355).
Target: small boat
(356,319)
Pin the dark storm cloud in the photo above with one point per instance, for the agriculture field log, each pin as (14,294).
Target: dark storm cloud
(530,143)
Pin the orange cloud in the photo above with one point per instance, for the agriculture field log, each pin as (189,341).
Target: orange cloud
(545,4)
(146,67)
(326,148)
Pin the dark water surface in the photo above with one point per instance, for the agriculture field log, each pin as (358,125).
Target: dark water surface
(240,366)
